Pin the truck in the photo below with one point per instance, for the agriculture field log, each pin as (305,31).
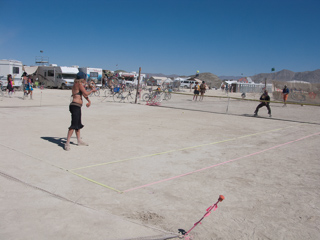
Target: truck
(94,74)
(12,67)
(55,76)
(183,83)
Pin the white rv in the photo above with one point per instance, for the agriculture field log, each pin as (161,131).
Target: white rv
(12,67)
(54,76)
(94,74)
(132,77)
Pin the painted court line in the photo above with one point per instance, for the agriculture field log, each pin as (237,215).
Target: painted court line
(176,150)
(91,180)
(233,160)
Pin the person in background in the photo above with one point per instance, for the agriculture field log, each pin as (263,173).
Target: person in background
(25,84)
(203,87)
(78,91)
(196,91)
(92,84)
(10,85)
(285,94)
(265,101)
(123,84)
(29,87)
(158,90)
(103,82)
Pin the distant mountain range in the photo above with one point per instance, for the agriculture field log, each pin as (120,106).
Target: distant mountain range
(287,75)
(283,75)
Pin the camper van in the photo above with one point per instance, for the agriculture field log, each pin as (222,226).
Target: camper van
(94,74)
(12,67)
(132,77)
(54,76)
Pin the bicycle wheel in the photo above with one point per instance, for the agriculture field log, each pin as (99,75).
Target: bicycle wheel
(129,98)
(118,97)
(167,96)
(145,97)
(97,93)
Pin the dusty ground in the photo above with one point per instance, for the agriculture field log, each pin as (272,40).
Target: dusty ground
(150,171)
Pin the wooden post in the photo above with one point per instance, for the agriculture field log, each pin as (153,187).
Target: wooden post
(265,84)
(138,85)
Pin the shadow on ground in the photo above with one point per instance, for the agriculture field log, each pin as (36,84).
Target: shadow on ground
(59,141)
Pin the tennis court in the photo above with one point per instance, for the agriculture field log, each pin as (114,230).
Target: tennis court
(161,167)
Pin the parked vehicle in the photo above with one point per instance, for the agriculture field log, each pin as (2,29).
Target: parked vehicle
(94,74)
(54,76)
(12,67)
(131,78)
(184,83)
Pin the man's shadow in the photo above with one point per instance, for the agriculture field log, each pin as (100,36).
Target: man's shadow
(59,141)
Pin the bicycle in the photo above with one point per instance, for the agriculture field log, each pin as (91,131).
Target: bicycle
(96,93)
(155,99)
(122,97)
(147,96)
(108,92)
(167,95)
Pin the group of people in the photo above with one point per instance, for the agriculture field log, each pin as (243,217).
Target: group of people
(27,85)
(79,91)
(199,89)
(265,100)
(226,88)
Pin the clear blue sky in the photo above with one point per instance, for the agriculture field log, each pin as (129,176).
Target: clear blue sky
(230,37)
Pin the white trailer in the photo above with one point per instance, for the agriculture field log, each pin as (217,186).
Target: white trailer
(94,74)
(54,76)
(12,67)
(132,77)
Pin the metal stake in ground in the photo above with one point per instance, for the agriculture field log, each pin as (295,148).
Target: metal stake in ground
(213,207)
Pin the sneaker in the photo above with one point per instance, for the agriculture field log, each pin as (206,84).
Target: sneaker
(81,143)
(270,115)
(255,114)
(67,147)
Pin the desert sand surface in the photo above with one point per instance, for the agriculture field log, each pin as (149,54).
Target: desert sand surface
(151,170)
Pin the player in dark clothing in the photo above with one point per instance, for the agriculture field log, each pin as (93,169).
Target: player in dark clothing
(265,101)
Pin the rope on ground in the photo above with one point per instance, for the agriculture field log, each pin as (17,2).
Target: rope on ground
(158,237)
(40,189)
(51,164)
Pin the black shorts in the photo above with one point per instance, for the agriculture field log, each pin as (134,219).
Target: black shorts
(196,92)
(75,117)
